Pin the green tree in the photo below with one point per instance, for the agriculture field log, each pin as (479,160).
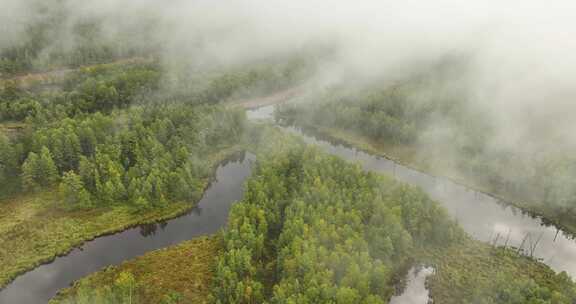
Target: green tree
(29,173)
(8,158)
(47,172)
(39,171)
(73,192)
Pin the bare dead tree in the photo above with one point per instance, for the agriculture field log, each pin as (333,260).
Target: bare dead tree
(507,238)
(522,244)
(555,236)
(533,246)
(496,239)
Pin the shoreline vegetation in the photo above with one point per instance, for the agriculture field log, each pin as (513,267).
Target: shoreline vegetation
(57,231)
(404,156)
(160,276)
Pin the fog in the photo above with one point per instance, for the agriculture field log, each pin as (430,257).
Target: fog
(520,54)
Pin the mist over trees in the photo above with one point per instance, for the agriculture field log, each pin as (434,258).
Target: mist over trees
(123,105)
(428,120)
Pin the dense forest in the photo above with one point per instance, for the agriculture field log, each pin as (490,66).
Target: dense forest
(117,121)
(313,229)
(99,152)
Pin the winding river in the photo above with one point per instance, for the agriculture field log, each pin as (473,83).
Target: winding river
(210,215)
(481,215)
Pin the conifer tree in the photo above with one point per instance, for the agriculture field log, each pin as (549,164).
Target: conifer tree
(29,178)
(73,192)
(46,169)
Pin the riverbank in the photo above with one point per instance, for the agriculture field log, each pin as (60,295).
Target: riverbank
(472,270)
(34,229)
(183,272)
(407,156)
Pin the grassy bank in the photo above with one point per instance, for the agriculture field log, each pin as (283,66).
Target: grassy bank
(35,228)
(182,272)
(407,156)
(475,272)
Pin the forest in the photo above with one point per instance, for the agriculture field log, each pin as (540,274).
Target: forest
(297,153)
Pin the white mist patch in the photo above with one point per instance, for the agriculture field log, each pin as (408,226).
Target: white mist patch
(521,52)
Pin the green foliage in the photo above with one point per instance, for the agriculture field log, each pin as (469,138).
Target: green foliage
(147,160)
(172,298)
(87,90)
(39,171)
(147,155)
(73,192)
(124,290)
(179,274)
(9,159)
(314,229)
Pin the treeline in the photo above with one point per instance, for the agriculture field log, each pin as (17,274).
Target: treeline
(88,90)
(109,86)
(145,156)
(314,229)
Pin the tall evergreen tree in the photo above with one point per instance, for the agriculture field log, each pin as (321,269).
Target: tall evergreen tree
(8,158)
(46,168)
(29,173)
(73,192)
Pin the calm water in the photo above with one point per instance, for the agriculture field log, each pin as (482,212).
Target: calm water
(415,291)
(42,283)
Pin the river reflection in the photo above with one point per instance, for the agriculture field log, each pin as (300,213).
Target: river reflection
(415,291)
